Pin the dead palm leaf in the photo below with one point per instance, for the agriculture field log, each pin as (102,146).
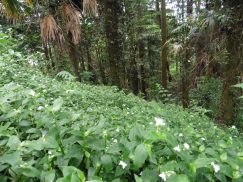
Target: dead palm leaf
(72,20)
(11,8)
(90,7)
(50,31)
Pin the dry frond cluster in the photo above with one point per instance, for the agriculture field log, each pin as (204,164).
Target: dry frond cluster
(90,7)
(11,9)
(50,31)
(29,2)
(2,10)
(72,19)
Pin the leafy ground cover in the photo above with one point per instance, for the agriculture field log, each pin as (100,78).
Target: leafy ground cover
(65,131)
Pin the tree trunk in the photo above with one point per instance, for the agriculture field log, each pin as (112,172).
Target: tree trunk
(134,82)
(185,78)
(233,63)
(164,49)
(141,48)
(113,11)
(73,55)
(90,65)
(101,66)
(185,85)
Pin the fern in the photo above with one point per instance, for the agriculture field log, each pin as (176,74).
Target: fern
(65,76)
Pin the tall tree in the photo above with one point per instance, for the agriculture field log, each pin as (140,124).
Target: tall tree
(185,83)
(231,69)
(113,11)
(164,48)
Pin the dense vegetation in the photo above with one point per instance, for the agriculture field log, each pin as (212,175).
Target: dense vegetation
(66,131)
(121,90)
(185,52)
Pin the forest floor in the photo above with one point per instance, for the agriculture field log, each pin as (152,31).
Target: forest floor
(67,131)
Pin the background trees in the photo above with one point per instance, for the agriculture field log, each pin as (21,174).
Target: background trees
(178,51)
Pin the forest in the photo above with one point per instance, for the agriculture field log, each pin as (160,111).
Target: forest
(121,90)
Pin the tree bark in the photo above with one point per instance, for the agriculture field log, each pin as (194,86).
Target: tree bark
(164,49)
(185,85)
(90,65)
(73,55)
(113,11)
(233,63)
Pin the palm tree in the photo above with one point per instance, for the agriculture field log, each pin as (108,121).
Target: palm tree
(51,31)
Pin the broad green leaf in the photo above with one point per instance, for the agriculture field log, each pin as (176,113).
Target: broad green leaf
(106,161)
(13,142)
(3,178)
(57,104)
(75,173)
(11,158)
(203,162)
(29,171)
(136,133)
(138,179)
(149,175)
(178,178)
(223,157)
(140,155)
(48,176)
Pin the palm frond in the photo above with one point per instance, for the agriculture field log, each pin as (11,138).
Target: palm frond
(72,20)
(90,7)
(50,31)
(11,8)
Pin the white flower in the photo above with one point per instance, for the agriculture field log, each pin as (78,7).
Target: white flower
(39,108)
(233,127)
(169,173)
(216,167)
(151,123)
(180,135)
(122,164)
(104,133)
(117,130)
(186,146)
(163,176)
(115,140)
(23,165)
(159,121)
(166,174)
(32,93)
(177,148)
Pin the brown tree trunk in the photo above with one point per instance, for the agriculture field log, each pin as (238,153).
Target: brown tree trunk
(113,11)
(134,81)
(185,85)
(73,55)
(233,64)
(142,68)
(185,78)
(141,48)
(164,49)
(90,65)
(101,66)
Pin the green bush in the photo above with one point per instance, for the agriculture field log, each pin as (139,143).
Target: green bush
(67,132)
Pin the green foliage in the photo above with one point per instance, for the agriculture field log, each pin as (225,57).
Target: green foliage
(66,131)
(66,76)
(240,85)
(207,95)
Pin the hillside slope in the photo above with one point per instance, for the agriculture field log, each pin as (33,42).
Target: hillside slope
(67,131)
